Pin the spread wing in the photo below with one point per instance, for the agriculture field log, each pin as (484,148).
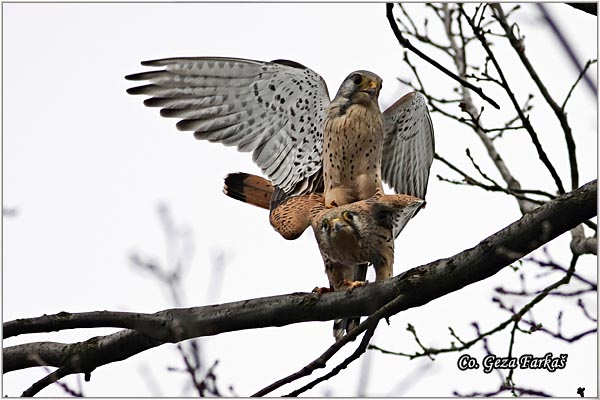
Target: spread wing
(408,147)
(394,211)
(274,109)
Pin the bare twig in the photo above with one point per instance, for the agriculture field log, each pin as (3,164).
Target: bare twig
(517,45)
(495,187)
(519,391)
(566,46)
(469,107)
(588,64)
(354,356)
(47,381)
(585,311)
(515,317)
(406,43)
(524,119)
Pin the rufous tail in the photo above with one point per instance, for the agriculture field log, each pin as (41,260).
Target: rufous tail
(249,189)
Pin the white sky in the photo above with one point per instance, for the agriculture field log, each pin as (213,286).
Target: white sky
(85,165)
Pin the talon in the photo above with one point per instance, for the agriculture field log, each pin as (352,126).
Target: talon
(350,285)
(321,290)
(333,204)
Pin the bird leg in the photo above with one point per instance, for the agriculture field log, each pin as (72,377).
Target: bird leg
(350,285)
(321,290)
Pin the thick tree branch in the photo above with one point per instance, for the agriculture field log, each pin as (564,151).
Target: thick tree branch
(413,288)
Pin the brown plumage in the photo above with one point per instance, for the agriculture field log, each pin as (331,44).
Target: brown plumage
(356,233)
(249,189)
(352,139)
(349,236)
(280,111)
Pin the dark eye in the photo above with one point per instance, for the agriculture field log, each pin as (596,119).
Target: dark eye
(325,225)
(357,79)
(348,216)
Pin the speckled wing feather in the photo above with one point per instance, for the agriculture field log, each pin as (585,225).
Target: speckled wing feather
(408,146)
(274,109)
(293,216)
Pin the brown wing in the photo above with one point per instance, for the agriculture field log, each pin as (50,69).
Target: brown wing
(292,217)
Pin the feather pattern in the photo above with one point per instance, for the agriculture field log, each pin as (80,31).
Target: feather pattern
(408,147)
(274,109)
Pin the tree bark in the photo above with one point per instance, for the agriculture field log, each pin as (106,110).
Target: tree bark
(412,288)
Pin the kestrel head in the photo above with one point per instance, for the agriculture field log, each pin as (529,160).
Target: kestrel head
(349,233)
(339,231)
(341,224)
(360,87)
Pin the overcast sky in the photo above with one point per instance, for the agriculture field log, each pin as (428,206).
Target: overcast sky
(85,166)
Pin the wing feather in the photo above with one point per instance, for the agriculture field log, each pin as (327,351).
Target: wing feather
(408,148)
(293,216)
(274,109)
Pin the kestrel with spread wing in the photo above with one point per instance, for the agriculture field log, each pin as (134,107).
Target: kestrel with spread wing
(349,236)
(302,141)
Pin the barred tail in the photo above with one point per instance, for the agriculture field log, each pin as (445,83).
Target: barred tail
(249,189)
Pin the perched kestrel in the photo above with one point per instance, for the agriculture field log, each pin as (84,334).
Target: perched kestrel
(349,236)
(304,143)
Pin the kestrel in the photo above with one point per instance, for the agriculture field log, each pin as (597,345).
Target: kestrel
(303,143)
(349,236)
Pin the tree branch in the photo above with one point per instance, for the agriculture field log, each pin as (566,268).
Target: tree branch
(517,45)
(412,288)
(590,8)
(524,119)
(406,43)
(567,47)
(469,107)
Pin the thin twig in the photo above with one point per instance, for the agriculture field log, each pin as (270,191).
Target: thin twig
(354,356)
(469,107)
(588,64)
(566,46)
(517,45)
(514,317)
(406,43)
(525,120)
(47,381)
(517,193)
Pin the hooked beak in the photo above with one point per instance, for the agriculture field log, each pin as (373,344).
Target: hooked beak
(336,225)
(371,89)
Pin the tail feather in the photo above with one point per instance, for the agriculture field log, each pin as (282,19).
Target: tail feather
(249,189)
(343,326)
